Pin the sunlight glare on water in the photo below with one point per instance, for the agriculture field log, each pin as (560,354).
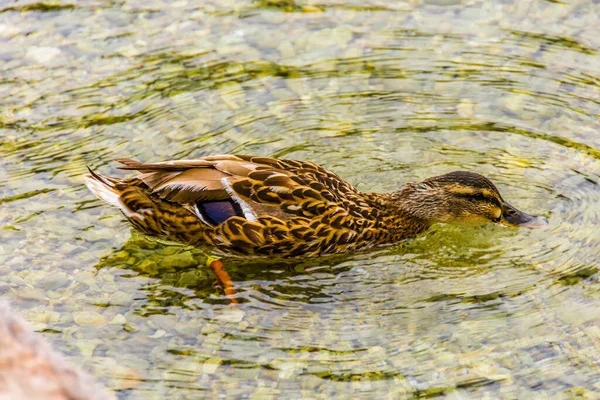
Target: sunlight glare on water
(382,93)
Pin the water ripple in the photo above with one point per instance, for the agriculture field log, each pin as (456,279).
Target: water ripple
(383,95)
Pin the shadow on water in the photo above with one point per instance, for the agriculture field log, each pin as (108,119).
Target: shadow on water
(293,281)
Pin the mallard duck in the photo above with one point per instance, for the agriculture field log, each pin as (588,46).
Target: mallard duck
(258,206)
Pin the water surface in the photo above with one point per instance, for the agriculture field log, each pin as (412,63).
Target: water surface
(382,93)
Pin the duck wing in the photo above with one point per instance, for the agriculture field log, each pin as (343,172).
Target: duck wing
(222,186)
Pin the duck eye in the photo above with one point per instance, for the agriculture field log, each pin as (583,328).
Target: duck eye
(478,196)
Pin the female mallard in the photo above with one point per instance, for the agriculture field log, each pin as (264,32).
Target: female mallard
(244,205)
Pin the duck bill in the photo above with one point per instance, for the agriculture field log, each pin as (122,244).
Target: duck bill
(517,218)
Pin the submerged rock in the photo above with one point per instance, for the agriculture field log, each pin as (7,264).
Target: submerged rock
(43,54)
(30,369)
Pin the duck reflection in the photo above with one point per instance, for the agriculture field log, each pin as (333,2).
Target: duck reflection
(176,267)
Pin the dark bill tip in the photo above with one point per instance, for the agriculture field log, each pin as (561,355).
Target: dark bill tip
(514,217)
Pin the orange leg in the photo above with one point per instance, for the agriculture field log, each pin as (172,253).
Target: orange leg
(224,280)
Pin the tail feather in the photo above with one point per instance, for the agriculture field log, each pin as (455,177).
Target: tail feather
(105,188)
(102,188)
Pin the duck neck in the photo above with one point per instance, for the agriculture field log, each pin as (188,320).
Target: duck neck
(398,215)
(417,201)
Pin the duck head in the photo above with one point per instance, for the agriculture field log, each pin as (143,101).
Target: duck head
(461,198)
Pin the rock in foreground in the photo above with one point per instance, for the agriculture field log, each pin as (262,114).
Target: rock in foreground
(30,369)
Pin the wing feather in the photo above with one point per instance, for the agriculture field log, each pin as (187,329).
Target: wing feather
(267,186)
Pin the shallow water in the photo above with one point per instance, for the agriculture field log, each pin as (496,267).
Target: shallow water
(380,92)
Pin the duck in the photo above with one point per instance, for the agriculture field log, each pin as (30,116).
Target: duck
(241,205)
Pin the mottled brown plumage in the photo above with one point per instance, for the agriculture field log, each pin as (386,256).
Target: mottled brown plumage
(244,205)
